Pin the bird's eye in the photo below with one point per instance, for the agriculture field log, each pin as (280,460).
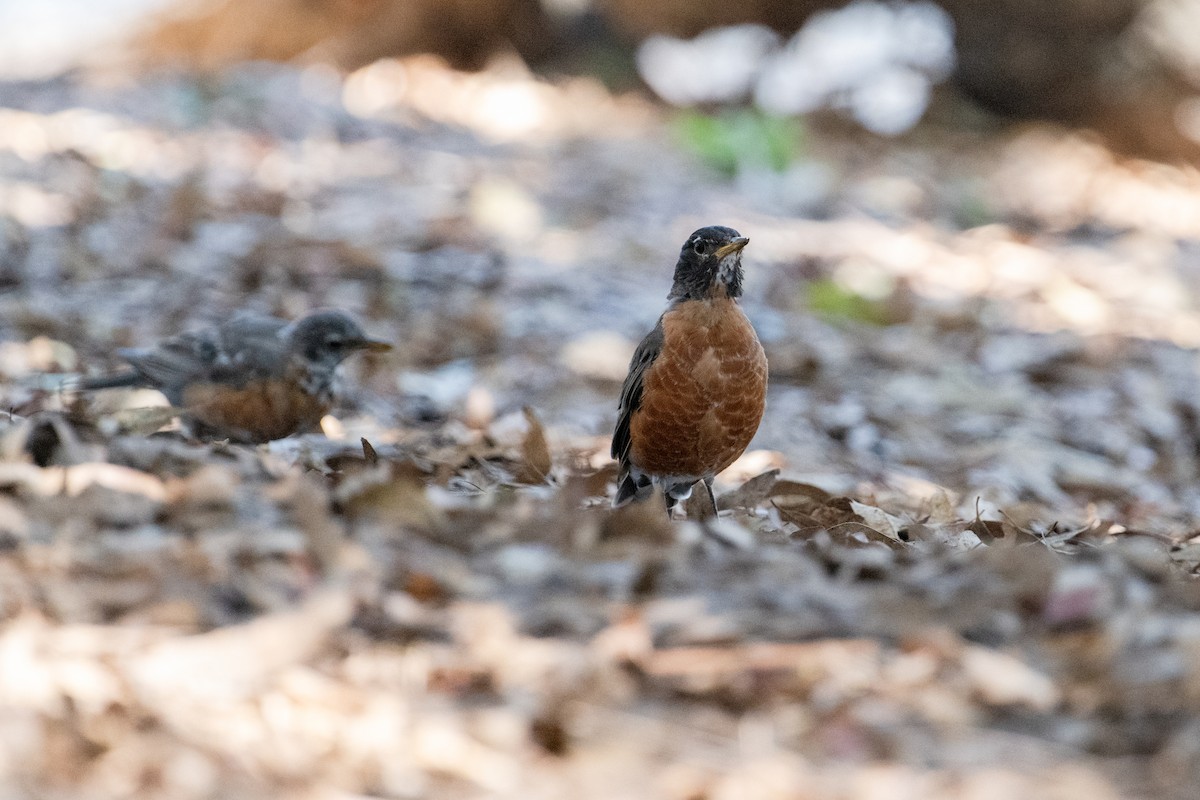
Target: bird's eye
(701,247)
(335,342)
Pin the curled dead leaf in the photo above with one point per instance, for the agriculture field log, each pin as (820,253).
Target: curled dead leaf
(536,461)
(796,496)
(752,493)
(597,483)
(988,530)
(879,520)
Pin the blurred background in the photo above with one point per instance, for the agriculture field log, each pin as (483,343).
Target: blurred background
(503,186)
(964,571)
(1126,69)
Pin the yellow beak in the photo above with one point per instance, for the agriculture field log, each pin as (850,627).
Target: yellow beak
(376,345)
(733,246)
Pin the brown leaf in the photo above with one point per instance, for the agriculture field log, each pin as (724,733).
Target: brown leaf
(798,497)
(751,493)
(809,507)
(879,520)
(807,525)
(551,733)
(425,588)
(835,511)
(597,483)
(860,534)
(988,530)
(535,452)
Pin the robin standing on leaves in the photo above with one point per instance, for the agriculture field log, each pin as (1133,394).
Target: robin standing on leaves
(697,383)
(251,379)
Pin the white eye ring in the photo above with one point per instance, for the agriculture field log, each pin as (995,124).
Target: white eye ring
(700,247)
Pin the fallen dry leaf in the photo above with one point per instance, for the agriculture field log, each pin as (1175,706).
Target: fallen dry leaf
(536,462)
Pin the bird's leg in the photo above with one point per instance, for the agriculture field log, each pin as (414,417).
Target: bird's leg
(671,501)
(712,498)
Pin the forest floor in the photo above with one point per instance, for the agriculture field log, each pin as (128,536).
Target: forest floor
(955,563)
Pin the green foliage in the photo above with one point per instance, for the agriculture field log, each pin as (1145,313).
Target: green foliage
(834,301)
(973,212)
(739,139)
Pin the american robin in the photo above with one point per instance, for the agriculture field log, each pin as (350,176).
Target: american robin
(250,379)
(697,383)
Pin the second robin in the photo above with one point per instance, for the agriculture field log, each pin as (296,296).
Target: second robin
(251,379)
(697,383)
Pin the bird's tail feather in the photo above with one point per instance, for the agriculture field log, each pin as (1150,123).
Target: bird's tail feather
(114,381)
(630,488)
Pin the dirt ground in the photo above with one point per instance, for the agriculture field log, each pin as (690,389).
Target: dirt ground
(956,563)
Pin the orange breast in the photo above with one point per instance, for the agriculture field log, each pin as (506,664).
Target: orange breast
(258,412)
(703,397)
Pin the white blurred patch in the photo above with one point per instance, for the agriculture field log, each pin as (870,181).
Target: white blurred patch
(717,66)
(1169,26)
(603,355)
(878,61)
(48,37)
(891,103)
(446,387)
(333,428)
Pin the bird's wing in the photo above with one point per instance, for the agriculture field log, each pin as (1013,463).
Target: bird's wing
(173,363)
(631,391)
(251,347)
(244,349)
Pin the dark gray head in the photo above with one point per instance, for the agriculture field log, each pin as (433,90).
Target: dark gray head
(710,265)
(327,338)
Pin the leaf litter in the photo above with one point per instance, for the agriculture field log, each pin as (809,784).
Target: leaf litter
(964,566)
